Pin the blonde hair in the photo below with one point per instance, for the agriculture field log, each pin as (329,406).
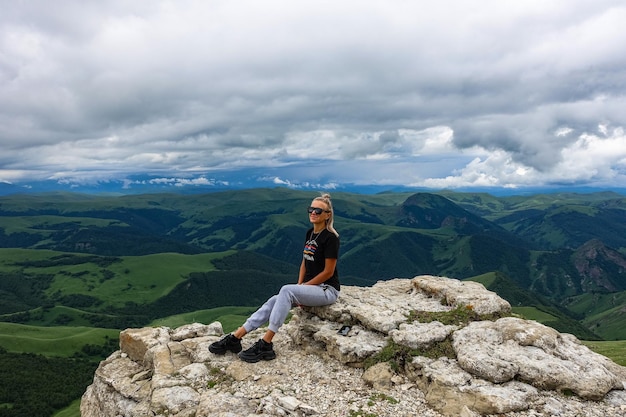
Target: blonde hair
(325,198)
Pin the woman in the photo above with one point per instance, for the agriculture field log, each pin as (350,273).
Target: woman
(318,285)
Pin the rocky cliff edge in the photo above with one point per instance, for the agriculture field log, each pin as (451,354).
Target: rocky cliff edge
(428,346)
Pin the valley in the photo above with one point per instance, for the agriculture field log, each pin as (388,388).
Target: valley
(76,269)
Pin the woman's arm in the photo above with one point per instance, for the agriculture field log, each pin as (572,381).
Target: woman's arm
(301,273)
(329,269)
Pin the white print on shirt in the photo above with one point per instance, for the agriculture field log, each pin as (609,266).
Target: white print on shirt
(309,250)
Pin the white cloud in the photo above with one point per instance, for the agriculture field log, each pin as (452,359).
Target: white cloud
(446,93)
(591,159)
(296,184)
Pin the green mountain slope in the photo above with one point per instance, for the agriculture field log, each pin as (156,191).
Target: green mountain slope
(115,261)
(604,313)
(553,221)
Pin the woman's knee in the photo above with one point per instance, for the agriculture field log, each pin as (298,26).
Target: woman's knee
(288,291)
(287,288)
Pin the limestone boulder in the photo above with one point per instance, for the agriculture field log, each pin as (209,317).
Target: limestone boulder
(457,293)
(380,308)
(136,342)
(515,349)
(451,390)
(421,335)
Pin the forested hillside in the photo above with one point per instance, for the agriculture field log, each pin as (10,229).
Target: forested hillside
(107,263)
(88,252)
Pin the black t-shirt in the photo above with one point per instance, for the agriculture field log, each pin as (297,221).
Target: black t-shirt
(317,248)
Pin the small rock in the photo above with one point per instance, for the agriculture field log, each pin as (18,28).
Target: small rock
(289,403)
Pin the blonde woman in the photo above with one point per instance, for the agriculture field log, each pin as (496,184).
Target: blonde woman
(318,285)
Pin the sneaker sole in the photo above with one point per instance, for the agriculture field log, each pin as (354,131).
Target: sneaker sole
(256,359)
(222,351)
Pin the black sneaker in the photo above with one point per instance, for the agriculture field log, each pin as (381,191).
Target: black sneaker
(260,350)
(228,342)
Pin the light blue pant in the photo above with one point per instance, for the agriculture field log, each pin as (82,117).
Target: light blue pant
(276,309)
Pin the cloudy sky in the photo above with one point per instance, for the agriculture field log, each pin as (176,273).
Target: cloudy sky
(442,94)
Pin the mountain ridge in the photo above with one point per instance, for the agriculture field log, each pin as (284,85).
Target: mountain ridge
(383,236)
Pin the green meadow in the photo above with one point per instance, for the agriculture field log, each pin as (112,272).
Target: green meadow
(615,350)
(73,410)
(138,279)
(532,313)
(51,341)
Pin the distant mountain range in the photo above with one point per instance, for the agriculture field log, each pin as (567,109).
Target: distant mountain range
(248,179)
(127,260)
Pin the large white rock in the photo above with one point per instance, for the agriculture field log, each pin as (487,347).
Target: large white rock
(511,348)
(450,389)
(462,293)
(421,335)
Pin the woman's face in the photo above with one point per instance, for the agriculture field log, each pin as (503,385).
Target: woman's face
(318,212)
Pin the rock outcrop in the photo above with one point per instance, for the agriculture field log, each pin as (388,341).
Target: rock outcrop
(427,346)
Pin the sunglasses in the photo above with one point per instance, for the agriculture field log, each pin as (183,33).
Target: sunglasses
(317,210)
